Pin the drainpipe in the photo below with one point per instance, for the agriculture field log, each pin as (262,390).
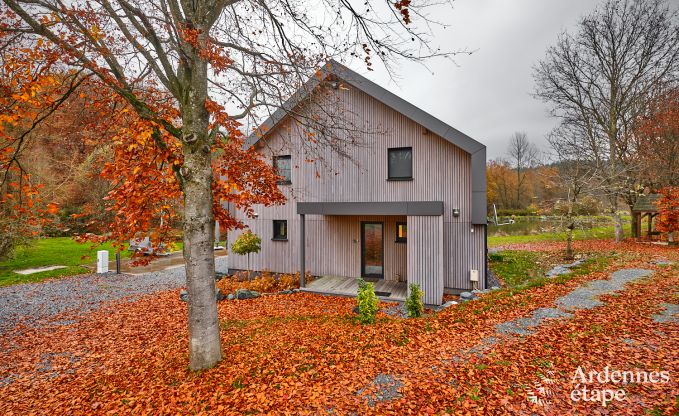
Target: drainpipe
(302,265)
(485,257)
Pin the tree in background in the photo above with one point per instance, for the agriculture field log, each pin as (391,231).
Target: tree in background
(181,76)
(657,140)
(602,78)
(28,96)
(575,173)
(501,183)
(523,155)
(668,212)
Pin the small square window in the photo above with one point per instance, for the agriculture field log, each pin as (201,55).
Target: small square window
(280,230)
(283,167)
(401,232)
(400,163)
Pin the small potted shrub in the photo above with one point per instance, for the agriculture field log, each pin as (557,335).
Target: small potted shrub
(247,243)
(368,303)
(414,304)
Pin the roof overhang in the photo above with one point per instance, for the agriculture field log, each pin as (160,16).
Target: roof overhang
(474,148)
(371,208)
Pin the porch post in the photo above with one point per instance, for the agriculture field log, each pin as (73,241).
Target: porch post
(302,265)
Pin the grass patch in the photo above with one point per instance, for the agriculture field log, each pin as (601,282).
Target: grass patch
(524,269)
(60,251)
(594,233)
(516,267)
(591,265)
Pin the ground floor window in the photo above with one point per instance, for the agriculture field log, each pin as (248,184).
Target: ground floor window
(280,230)
(401,232)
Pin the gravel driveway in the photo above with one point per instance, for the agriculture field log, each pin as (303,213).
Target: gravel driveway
(32,302)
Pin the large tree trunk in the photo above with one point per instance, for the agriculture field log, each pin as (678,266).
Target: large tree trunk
(204,343)
(617,225)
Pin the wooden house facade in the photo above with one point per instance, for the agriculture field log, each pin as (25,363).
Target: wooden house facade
(406,203)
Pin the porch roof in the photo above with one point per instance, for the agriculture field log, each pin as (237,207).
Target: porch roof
(647,203)
(371,208)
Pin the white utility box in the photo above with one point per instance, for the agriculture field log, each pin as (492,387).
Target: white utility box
(102,261)
(474,275)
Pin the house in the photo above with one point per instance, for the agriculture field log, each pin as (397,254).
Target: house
(406,205)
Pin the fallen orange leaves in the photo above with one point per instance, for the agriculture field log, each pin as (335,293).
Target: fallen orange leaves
(306,354)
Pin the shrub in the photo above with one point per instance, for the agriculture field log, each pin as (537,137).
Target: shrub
(368,303)
(414,304)
(265,283)
(247,243)
(518,212)
(586,205)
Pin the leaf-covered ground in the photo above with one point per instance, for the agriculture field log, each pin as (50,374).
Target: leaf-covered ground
(305,353)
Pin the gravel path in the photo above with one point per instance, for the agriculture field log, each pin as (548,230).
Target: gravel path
(32,302)
(583,297)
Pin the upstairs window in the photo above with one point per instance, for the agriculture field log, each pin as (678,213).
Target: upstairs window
(401,232)
(400,161)
(282,164)
(280,230)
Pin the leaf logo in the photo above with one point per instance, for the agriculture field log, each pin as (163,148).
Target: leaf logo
(541,392)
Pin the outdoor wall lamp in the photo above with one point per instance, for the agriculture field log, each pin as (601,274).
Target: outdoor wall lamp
(456,212)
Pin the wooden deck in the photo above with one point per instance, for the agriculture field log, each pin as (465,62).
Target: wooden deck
(347,286)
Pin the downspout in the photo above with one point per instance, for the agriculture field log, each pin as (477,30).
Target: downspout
(302,257)
(485,257)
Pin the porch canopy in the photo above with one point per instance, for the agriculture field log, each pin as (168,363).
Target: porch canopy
(371,208)
(425,239)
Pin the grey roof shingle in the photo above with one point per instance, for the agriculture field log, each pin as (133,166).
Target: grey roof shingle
(476,149)
(647,203)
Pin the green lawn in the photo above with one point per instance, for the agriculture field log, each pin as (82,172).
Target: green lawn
(62,251)
(592,233)
(516,267)
(522,269)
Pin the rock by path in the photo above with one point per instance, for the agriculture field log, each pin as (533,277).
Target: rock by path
(669,313)
(30,303)
(560,269)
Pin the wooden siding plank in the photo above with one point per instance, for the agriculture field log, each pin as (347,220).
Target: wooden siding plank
(425,256)
(442,172)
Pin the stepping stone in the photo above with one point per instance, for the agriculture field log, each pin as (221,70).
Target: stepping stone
(39,269)
(386,389)
(670,313)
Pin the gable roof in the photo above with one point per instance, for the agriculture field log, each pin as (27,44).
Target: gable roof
(389,99)
(476,149)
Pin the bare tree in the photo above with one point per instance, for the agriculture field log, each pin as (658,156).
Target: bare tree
(601,78)
(576,173)
(247,55)
(523,155)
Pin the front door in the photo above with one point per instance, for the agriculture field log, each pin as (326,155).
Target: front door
(372,249)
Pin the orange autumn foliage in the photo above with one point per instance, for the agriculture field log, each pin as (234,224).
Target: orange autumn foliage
(657,142)
(668,210)
(266,282)
(143,155)
(305,354)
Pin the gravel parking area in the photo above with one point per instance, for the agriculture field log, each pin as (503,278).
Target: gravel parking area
(31,303)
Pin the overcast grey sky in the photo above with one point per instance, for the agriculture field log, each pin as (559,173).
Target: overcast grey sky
(487,95)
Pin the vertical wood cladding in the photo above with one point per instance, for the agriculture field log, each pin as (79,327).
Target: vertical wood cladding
(441,172)
(425,252)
